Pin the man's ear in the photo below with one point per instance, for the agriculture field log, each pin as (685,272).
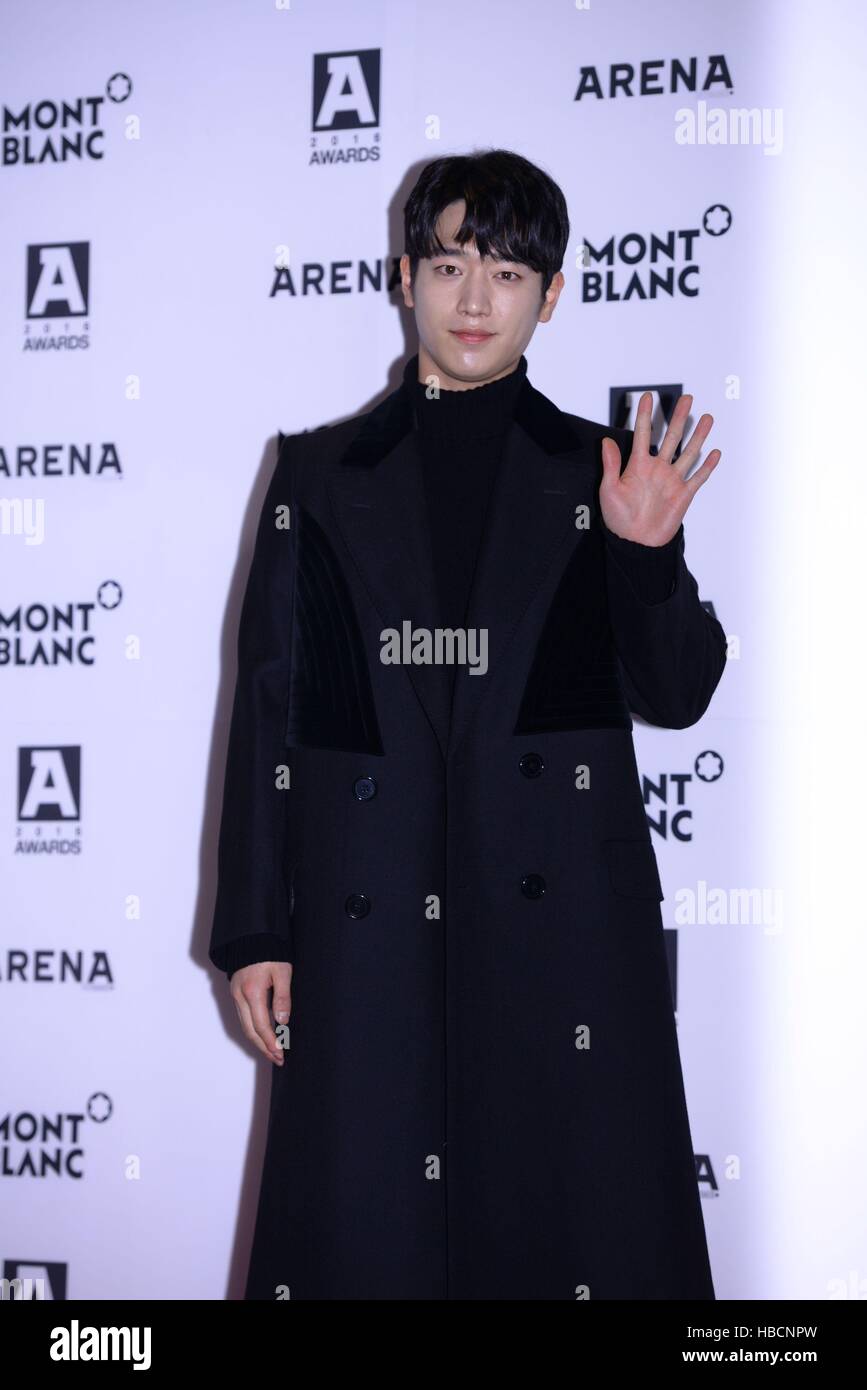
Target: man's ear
(405,283)
(552,294)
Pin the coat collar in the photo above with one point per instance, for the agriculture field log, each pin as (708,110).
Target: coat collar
(377,495)
(388,423)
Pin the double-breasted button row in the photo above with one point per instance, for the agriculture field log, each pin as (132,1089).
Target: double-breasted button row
(358,904)
(532,885)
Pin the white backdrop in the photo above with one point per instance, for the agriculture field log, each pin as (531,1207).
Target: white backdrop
(151,352)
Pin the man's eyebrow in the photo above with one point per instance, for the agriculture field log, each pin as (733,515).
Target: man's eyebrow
(462,251)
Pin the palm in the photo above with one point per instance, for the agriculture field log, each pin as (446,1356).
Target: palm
(647,501)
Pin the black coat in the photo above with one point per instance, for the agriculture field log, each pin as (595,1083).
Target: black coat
(482,1097)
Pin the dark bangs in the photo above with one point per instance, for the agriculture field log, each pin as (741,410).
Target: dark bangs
(514,211)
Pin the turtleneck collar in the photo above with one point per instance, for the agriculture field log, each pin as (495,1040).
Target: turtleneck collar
(479,412)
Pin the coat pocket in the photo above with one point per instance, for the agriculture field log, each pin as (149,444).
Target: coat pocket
(632,868)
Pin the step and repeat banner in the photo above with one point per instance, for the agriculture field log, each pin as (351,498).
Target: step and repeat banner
(201,223)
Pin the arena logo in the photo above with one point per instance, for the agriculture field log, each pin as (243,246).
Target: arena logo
(89,968)
(336,277)
(71,641)
(60,461)
(49,800)
(673,250)
(656,77)
(25,1280)
(53,132)
(346,99)
(673,814)
(34,1145)
(58,290)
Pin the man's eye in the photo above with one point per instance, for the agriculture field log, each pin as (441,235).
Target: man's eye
(447,267)
(510,272)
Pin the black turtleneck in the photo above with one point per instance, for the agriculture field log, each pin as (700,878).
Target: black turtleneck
(461,436)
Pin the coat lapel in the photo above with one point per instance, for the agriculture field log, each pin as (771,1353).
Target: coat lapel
(381,514)
(530,519)
(377,495)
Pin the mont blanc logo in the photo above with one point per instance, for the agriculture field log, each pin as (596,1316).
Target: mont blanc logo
(35,1144)
(668,797)
(649,263)
(623,408)
(346,99)
(55,130)
(57,293)
(55,635)
(33,1279)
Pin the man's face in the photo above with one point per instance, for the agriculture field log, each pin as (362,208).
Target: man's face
(474,316)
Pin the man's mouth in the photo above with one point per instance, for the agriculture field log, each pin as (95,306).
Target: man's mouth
(471,335)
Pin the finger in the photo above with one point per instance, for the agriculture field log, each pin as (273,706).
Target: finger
(245,1014)
(246,1020)
(689,455)
(281,1004)
(676,426)
(612,460)
(641,433)
(702,474)
(256,995)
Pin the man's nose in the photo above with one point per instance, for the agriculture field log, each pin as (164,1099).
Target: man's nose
(474,297)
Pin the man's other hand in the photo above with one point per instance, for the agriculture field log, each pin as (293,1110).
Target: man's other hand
(249,988)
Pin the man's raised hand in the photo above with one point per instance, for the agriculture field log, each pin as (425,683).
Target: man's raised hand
(647,501)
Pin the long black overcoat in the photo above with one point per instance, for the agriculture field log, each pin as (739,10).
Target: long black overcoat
(482,1096)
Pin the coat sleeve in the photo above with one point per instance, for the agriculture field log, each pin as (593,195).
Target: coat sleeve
(251,919)
(671,651)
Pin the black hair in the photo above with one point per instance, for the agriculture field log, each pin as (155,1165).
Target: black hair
(514,210)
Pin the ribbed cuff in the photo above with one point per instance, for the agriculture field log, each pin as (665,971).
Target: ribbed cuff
(249,950)
(650,569)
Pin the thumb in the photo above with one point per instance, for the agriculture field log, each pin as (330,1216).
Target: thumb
(611,459)
(281,979)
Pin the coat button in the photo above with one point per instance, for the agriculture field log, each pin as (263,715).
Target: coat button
(357,905)
(531,764)
(364,788)
(532,885)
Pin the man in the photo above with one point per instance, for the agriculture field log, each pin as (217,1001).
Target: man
(433,828)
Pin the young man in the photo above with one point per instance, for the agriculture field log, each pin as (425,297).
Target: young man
(433,827)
